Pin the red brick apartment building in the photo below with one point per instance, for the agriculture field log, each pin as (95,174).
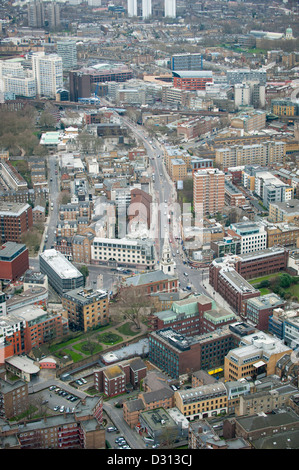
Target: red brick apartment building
(14,261)
(28,328)
(112,380)
(15,219)
(82,429)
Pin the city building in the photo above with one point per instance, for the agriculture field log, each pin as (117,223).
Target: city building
(194,315)
(176,354)
(256,357)
(208,191)
(233,196)
(48,75)
(253,236)
(14,261)
(258,310)
(284,211)
(113,380)
(13,398)
(29,327)
(246,75)
(230,284)
(202,402)
(124,252)
(84,81)
(146,9)
(36,14)
(62,275)
(187,61)
(264,153)
(81,429)
(132,7)
(170,9)
(67,50)
(191,79)
(86,308)
(154,422)
(15,219)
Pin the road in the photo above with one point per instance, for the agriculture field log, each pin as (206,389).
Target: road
(165,193)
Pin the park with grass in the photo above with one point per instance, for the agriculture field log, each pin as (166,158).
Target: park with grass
(84,345)
(282,284)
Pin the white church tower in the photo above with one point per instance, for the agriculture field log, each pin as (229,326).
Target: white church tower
(167,263)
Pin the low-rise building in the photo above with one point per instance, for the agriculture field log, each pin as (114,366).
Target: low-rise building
(14,260)
(256,357)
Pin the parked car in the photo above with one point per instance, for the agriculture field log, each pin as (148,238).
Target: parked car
(111,429)
(56,408)
(61,409)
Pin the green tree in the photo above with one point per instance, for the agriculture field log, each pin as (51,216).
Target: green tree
(84,271)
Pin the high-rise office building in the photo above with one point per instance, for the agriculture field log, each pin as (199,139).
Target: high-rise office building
(47,71)
(170,8)
(67,50)
(132,7)
(146,8)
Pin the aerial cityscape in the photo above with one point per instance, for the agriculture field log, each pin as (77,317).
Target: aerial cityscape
(149,215)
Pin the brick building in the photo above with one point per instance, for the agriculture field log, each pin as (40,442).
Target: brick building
(176,354)
(14,260)
(192,80)
(230,285)
(113,380)
(192,316)
(15,219)
(258,310)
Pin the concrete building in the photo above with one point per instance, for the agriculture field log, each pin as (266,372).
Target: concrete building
(253,236)
(62,275)
(67,50)
(125,252)
(170,8)
(36,14)
(48,75)
(132,7)
(202,402)
(146,9)
(284,211)
(186,61)
(265,153)
(256,357)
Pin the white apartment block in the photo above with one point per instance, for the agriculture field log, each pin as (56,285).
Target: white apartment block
(20,86)
(146,8)
(48,74)
(123,251)
(253,236)
(132,7)
(170,8)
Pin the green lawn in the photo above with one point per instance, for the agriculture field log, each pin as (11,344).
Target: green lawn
(75,356)
(258,280)
(294,290)
(82,347)
(126,329)
(109,338)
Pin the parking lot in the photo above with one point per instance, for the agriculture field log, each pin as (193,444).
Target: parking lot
(58,398)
